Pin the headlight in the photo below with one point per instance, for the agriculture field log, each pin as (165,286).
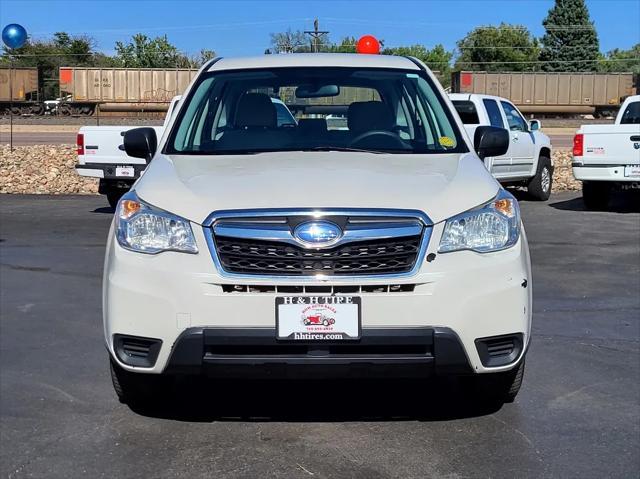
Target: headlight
(145,229)
(492,227)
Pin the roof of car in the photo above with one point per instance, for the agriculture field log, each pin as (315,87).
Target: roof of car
(314,60)
(469,96)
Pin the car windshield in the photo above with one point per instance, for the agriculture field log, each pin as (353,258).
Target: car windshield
(289,109)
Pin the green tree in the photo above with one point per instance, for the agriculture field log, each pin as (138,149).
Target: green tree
(570,42)
(503,48)
(621,60)
(438,58)
(145,52)
(347,45)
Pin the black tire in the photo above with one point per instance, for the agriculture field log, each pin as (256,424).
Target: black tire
(596,194)
(114,195)
(539,186)
(499,387)
(137,389)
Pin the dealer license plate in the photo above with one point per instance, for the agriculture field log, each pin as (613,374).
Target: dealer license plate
(318,318)
(632,171)
(126,171)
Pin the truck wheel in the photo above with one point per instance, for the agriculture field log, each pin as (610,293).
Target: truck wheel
(137,389)
(595,194)
(114,195)
(499,387)
(539,186)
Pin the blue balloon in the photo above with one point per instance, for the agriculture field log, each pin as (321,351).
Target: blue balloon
(14,35)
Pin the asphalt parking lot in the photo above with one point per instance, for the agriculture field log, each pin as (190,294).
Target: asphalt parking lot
(578,414)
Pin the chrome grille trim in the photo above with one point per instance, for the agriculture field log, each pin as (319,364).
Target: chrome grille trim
(282,233)
(327,290)
(362,225)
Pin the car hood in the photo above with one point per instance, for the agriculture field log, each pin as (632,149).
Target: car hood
(195,186)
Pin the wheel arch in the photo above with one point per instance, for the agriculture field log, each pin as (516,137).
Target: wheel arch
(545,151)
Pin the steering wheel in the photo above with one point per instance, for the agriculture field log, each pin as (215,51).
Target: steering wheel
(382,133)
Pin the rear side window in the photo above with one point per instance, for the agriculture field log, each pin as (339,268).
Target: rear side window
(495,118)
(467,111)
(632,114)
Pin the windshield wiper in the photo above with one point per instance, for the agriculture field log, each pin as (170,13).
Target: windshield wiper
(346,148)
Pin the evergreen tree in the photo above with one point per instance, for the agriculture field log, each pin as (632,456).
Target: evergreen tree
(570,42)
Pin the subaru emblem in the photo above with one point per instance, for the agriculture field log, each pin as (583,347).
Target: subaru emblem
(318,233)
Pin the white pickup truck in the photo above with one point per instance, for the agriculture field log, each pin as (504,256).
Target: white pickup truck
(101,155)
(528,161)
(608,156)
(101,152)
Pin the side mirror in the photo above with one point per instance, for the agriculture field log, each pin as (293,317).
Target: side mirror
(490,141)
(535,125)
(141,143)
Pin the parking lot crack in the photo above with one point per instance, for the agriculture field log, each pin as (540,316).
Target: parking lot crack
(526,439)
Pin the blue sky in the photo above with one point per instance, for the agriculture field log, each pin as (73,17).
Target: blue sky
(241,27)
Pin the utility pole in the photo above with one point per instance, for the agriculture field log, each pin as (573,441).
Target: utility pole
(316,36)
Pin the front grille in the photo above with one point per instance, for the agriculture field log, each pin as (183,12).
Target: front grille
(377,257)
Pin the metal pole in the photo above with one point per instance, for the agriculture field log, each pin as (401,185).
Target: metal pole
(10,104)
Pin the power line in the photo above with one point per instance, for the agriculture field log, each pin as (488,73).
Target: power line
(211,26)
(405,24)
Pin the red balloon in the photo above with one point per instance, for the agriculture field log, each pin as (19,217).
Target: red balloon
(368,44)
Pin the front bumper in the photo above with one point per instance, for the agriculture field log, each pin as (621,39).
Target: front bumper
(379,352)
(171,295)
(238,352)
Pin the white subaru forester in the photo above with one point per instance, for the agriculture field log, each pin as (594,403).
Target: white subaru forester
(376,244)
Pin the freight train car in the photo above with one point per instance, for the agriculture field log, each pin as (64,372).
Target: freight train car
(20,91)
(120,89)
(552,93)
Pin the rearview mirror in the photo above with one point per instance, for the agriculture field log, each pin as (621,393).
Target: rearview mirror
(490,141)
(535,125)
(317,91)
(141,143)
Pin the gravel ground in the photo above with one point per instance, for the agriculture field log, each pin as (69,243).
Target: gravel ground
(42,169)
